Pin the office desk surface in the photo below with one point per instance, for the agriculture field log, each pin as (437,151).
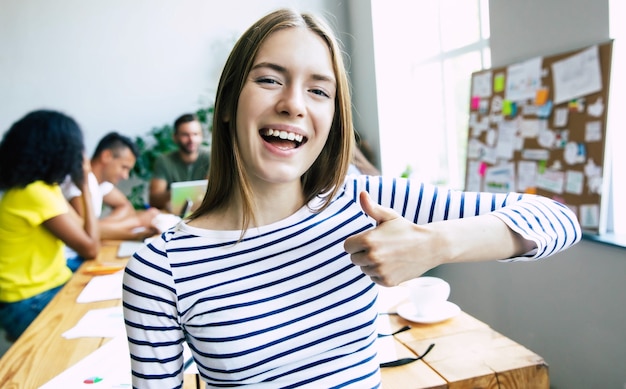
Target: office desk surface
(467,352)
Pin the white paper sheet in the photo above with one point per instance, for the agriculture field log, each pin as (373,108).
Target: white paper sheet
(98,323)
(523,79)
(481,84)
(128,248)
(577,75)
(101,288)
(109,365)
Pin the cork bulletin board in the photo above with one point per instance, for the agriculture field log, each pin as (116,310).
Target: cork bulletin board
(539,126)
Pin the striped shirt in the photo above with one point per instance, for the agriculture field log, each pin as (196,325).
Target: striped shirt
(285,307)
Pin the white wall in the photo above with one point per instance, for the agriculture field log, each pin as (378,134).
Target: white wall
(122,65)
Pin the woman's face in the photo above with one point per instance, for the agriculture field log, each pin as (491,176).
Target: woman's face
(286,107)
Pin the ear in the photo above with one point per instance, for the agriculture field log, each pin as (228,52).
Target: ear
(107,155)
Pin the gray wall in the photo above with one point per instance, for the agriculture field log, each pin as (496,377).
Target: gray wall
(570,309)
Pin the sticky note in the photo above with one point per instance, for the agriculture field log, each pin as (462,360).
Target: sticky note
(507,107)
(482,169)
(498,82)
(475,104)
(541,168)
(545,110)
(541,96)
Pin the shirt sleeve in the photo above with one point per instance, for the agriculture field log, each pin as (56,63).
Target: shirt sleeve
(551,225)
(69,189)
(45,202)
(151,316)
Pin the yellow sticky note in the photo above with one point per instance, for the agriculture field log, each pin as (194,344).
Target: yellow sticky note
(498,82)
(507,107)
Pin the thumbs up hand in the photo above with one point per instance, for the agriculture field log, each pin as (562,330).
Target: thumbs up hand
(395,251)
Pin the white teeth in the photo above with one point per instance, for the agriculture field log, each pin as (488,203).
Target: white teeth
(284,135)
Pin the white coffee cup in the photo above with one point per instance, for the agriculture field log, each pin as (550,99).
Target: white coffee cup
(428,294)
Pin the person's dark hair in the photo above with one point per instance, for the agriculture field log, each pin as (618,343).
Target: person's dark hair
(115,142)
(42,146)
(185,118)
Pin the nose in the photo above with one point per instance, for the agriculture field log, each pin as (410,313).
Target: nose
(292,102)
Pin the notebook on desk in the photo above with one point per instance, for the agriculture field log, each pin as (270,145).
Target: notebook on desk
(186,196)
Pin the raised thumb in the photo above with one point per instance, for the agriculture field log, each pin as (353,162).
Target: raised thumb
(376,211)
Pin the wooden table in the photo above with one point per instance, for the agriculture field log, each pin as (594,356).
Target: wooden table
(467,352)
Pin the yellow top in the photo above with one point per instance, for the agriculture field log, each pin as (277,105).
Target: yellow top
(31,257)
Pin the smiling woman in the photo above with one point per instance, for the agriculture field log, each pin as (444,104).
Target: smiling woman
(272,281)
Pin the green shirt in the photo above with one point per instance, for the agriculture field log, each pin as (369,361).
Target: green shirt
(171,168)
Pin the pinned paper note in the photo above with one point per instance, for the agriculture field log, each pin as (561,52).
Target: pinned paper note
(498,82)
(589,216)
(541,97)
(475,103)
(482,168)
(496,104)
(500,179)
(545,110)
(507,107)
(574,182)
(481,84)
(523,79)
(536,154)
(596,109)
(578,75)
(560,117)
(552,181)
(541,167)
(526,175)
(574,153)
(593,131)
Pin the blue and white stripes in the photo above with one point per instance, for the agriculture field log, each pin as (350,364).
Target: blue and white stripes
(285,307)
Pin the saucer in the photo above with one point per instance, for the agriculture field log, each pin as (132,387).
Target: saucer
(446,311)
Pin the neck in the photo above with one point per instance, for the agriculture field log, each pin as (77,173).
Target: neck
(188,157)
(271,203)
(96,169)
(276,202)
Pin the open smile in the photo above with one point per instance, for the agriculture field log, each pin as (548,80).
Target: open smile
(283,139)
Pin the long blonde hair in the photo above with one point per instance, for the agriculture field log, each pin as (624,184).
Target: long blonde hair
(226,173)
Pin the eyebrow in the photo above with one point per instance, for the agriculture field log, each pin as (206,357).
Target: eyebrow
(283,70)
